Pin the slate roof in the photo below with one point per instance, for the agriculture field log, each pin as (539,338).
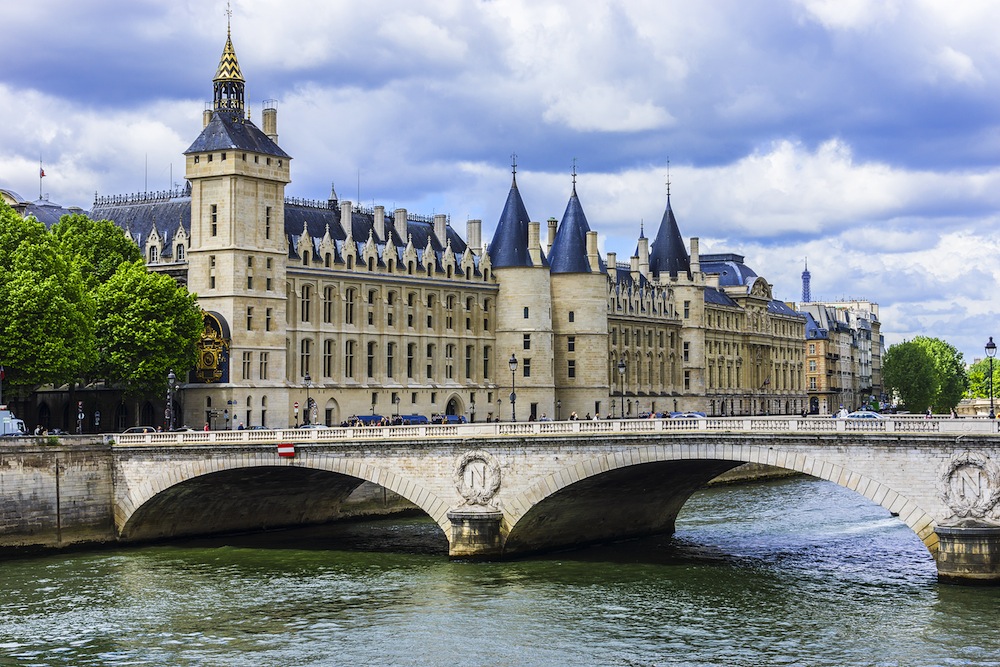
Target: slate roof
(231,131)
(137,216)
(781,308)
(718,297)
(45,212)
(730,268)
(568,253)
(668,255)
(509,246)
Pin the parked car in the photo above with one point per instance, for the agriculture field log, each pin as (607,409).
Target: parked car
(863,414)
(140,429)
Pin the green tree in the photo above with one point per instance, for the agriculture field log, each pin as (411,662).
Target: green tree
(979,373)
(46,313)
(98,247)
(146,324)
(908,370)
(949,371)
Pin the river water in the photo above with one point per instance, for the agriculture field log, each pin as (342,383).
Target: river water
(794,572)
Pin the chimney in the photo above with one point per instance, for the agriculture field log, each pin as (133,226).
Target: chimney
(695,257)
(347,217)
(644,256)
(593,258)
(552,234)
(270,117)
(206,115)
(534,243)
(634,268)
(613,266)
(474,232)
(441,229)
(380,223)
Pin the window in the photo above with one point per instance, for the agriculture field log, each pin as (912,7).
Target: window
(571,344)
(268,281)
(526,365)
(247,360)
(389,357)
(249,318)
(449,320)
(468,362)
(211,271)
(525,312)
(687,309)
(430,361)
(411,353)
(263,366)
(812,365)
(812,384)
(267,223)
(687,380)
(327,305)
(572,316)
(214,215)
(349,359)
(687,351)
(526,341)
(812,348)
(371,360)
(349,307)
(305,351)
(486,362)
(327,358)
(306,302)
(267,319)
(449,354)
(152,254)
(571,368)
(179,255)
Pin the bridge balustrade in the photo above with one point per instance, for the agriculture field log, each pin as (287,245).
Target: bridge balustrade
(582,427)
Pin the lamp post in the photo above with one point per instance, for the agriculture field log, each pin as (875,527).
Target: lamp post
(621,376)
(396,401)
(171,387)
(307,415)
(558,411)
(991,351)
(513,396)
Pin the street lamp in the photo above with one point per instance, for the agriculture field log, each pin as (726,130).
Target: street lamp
(513,396)
(558,411)
(621,376)
(307,416)
(395,400)
(991,351)
(171,387)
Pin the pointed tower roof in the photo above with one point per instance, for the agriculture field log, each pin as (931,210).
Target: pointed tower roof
(229,67)
(509,246)
(668,254)
(569,248)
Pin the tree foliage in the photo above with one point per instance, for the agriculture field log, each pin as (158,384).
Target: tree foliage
(908,370)
(97,246)
(46,313)
(951,380)
(979,374)
(146,324)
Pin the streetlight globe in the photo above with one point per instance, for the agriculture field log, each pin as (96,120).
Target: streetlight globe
(991,348)
(512,364)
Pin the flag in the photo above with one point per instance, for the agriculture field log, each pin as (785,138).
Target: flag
(41,173)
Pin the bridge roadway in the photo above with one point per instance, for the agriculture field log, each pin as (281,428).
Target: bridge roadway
(506,489)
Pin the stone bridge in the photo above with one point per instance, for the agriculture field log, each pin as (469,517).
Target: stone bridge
(506,489)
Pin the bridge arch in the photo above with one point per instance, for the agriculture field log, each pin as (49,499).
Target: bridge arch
(521,513)
(185,481)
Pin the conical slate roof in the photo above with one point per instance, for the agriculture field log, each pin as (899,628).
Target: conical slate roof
(229,67)
(509,246)
(569,248)
(668,254)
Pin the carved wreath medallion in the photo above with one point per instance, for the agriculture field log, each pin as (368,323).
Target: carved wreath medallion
(477,477)
(971,485)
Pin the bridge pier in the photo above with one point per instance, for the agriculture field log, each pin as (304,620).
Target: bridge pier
(475,533)
(969,554)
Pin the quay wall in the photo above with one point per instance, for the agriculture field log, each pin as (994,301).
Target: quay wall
(54,493)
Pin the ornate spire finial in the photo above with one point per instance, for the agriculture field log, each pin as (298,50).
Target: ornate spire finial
(229,17)
(668,178)
(513,166)
(574,175)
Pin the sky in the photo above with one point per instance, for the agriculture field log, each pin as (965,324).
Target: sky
(860,137)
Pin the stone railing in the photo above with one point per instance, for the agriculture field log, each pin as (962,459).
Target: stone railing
(727,425)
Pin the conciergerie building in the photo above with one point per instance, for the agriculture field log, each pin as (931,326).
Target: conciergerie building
(316,311)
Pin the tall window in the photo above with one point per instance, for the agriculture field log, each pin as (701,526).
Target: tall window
(349,359)
(571,344)
(571,368)
(268,281)
(263,365)
(468,362)
(526,342)
(247,360)
(215,219)
(249,318)
(306,302)
(371,360)
(267,319)
(211,271)
(449,353)
(411,353)
(305,352)
(267,222)
(349,307)
(328,358)
(390,353)
(526,365)
(486,362)
(687,309)
(687,351)
(327,305)
(249,273)
(430,361)
(449,320)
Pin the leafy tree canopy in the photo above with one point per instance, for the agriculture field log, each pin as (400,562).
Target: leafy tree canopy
(46,314)
(949,371)
(98,246)
(146,324)
(908,370)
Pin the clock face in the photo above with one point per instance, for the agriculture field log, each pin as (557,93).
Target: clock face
(208,359)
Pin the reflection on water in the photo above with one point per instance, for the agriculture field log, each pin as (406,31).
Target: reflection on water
(797,572)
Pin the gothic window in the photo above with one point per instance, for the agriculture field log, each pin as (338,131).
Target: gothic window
(306,302)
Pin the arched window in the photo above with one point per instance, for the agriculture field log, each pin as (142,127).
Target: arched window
(306,302)
(179,255)
(152,254)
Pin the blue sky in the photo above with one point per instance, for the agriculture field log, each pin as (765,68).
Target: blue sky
(862,135)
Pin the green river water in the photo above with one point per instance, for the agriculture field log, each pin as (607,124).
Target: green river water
(793,572)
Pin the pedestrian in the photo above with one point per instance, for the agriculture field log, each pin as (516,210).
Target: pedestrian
(206,426)
(240,427)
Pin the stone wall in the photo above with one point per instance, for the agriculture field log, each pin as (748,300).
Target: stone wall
(54,494)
